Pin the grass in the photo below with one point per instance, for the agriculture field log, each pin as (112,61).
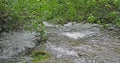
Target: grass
(39,56)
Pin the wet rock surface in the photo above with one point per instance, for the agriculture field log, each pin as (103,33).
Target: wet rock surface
(82,43)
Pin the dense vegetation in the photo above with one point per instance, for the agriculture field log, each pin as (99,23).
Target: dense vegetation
(31,13)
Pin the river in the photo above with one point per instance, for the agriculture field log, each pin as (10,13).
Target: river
(71,43)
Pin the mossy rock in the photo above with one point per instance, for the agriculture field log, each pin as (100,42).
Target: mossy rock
(39,55)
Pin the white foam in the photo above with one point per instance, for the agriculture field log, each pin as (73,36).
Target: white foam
(48,24)
(62,51)
(70,24)
(76,35)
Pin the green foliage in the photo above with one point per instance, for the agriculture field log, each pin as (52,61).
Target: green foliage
(39,55)
(17,13)
(93,11)
(91,19)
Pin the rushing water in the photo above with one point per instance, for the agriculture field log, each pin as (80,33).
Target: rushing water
(83,43)
(14,44)
(71,43)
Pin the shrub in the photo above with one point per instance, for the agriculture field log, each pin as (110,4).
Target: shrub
(14,13)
